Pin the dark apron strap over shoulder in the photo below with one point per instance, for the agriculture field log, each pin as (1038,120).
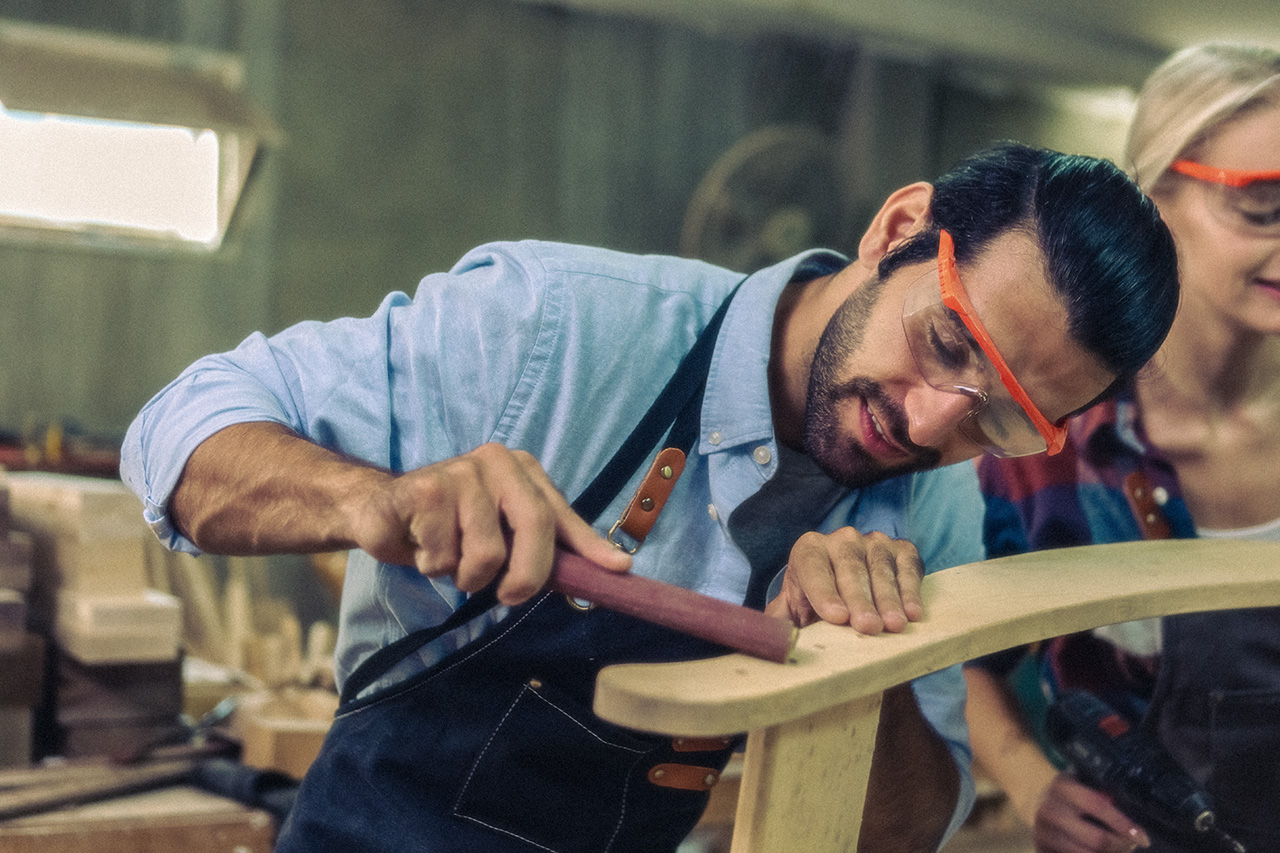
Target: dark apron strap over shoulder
(678,406)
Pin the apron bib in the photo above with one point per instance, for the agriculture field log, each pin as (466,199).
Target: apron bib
(495,749)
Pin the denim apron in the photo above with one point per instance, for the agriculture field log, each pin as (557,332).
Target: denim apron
(495,749)
(1217,709)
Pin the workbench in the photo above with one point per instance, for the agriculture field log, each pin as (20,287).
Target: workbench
(177,819)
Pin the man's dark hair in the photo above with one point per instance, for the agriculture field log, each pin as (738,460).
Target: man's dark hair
(1109,255)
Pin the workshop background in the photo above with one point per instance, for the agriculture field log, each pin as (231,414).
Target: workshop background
(394,135)
(412,130)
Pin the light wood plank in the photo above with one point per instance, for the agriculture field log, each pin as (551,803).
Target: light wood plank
(812,722)
(791,769)
(971,610)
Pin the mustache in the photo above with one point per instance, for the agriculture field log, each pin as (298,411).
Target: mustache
(893,420)
(851,464)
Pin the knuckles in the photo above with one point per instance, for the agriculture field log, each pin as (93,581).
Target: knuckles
(850,543)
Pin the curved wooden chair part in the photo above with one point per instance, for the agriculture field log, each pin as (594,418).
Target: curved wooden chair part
(811,723)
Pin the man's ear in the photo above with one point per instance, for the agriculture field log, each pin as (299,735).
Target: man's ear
(904,213)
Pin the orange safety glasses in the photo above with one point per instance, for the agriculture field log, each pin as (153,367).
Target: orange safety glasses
(1247,201)
(955,298)
(1226,177)
(1003,421)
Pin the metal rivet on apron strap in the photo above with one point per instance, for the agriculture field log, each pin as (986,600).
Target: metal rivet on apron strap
(687,777)
(1145,508)
(631,528)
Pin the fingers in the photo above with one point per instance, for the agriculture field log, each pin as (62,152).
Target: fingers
(1074,818)
(869,581)
(538,517)
(810,584)
(525,519)
(792,603)
(573,531)
(494,513)
(489,513)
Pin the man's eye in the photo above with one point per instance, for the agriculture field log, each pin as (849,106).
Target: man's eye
(950,350)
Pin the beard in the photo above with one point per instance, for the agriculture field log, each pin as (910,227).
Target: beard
(835,451)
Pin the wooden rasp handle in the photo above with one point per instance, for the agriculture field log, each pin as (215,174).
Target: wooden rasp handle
(739,628)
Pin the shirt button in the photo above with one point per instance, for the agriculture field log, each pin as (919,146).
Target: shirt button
(711,511)
(762,455)
(715,437)
(1160,495)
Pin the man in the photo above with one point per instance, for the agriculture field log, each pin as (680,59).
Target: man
(438,437)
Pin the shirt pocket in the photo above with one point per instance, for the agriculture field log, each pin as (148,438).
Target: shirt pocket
(552,774)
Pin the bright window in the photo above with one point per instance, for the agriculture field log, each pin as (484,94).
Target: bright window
(122,143)
(86,174)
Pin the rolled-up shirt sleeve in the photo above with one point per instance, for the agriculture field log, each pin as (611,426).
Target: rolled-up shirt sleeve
(214,393)
(366,386)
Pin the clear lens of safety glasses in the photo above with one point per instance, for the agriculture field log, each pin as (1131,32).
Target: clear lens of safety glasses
(1003,429)
(950,359)
(1244,201)
(1257,206)
(1251,209)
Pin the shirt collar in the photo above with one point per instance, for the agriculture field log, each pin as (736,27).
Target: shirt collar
(735,406)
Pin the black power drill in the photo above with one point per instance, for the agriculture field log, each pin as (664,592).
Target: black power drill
(1109,754)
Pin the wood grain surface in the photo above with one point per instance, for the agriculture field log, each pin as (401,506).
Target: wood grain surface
(971,610)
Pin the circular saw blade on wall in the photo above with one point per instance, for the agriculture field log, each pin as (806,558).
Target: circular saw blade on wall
(776,192)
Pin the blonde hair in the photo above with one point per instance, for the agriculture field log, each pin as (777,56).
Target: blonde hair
(1189,96)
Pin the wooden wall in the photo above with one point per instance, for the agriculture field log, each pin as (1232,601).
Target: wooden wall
(416,129)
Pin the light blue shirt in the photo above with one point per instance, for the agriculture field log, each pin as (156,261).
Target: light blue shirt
(557,350)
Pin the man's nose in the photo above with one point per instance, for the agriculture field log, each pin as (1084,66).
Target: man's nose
(1271,266)
(933,414)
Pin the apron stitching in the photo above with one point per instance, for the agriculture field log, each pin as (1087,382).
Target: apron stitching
(626,784)
(622,813)
(579,724)
(405,688)
(508,832)
(485,749)
(499,636)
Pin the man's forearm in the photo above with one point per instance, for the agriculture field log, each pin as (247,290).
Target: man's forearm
(258,488)
(914,783)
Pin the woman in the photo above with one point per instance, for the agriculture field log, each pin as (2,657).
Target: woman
(1192,449)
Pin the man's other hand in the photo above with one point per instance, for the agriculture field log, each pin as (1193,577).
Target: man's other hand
(869,581)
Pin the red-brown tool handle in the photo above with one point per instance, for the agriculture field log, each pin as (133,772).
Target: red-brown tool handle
(739,628)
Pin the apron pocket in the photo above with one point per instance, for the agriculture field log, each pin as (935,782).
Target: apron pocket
(1245,733)
(552,774)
